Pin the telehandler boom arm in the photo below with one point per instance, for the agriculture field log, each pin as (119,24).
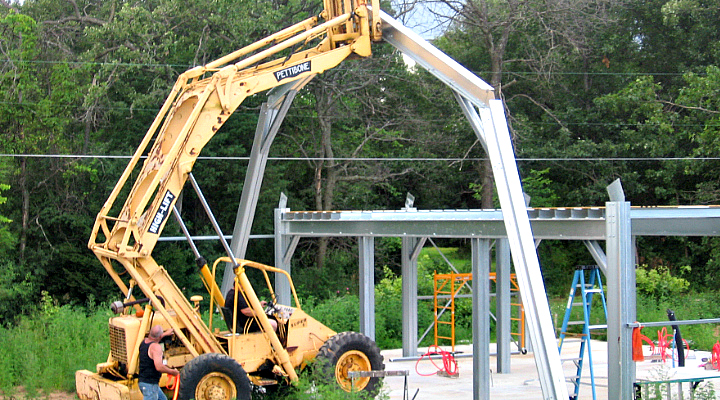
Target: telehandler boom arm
(202,99)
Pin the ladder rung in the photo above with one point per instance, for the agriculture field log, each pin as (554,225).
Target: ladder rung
(593,291)
(578,336)
(586,286)
(571,340)
(577,304)
(571,359)
(597,327)
(576,323)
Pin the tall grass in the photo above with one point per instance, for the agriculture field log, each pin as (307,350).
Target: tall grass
(43,351)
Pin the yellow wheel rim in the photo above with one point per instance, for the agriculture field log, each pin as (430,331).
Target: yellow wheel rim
(352,361)
(215,386)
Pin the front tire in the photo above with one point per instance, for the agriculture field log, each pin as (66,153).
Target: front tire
(213,376)
(351,351)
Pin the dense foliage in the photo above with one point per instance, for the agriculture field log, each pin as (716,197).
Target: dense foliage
(595,90)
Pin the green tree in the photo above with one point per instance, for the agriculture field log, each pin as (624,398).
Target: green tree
(35,118)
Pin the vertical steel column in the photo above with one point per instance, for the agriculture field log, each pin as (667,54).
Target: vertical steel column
(621,294)
(284,249)
(481,320)
(366,248)
(410,250)
(502,305)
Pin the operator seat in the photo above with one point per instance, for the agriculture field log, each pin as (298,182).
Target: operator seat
(228,317)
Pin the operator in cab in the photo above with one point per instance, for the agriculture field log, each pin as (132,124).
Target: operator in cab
(245,313)
(151,364)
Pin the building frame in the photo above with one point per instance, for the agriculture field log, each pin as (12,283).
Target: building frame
(617,225)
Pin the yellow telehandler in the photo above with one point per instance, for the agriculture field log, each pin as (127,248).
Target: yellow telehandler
(221,362)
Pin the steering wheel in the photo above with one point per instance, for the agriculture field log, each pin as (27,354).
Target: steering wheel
(270,308)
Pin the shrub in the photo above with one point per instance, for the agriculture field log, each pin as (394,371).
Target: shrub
(659,282)
(388,312)
(342,311)
(659,391)
(17,293)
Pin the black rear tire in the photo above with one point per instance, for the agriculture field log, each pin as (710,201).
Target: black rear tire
(350,351)
(213,376)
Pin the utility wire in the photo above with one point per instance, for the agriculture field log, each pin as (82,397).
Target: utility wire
(341,68)
(339,117)
(373,159)
(122,64)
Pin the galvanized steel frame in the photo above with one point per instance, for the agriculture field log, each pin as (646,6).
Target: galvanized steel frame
(617,225)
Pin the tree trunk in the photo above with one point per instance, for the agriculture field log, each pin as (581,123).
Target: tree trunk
(25,207)
(324,192)
(323,241)
(486,173)
(497,53)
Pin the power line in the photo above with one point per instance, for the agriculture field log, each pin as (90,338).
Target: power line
(340,117)
(341,68)
(121,64)
(374,159)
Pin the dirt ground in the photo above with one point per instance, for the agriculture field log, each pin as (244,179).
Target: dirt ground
(20,394)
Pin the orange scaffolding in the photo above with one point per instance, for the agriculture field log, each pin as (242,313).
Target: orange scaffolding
(517,312)
(447,287)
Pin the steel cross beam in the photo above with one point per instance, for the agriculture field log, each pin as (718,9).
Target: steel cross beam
(584,224)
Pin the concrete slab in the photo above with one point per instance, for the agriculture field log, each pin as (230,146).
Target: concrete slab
(522,382)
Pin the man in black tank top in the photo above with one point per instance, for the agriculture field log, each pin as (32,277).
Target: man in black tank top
(151,364)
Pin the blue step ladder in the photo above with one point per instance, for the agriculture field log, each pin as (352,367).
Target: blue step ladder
(586,283)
